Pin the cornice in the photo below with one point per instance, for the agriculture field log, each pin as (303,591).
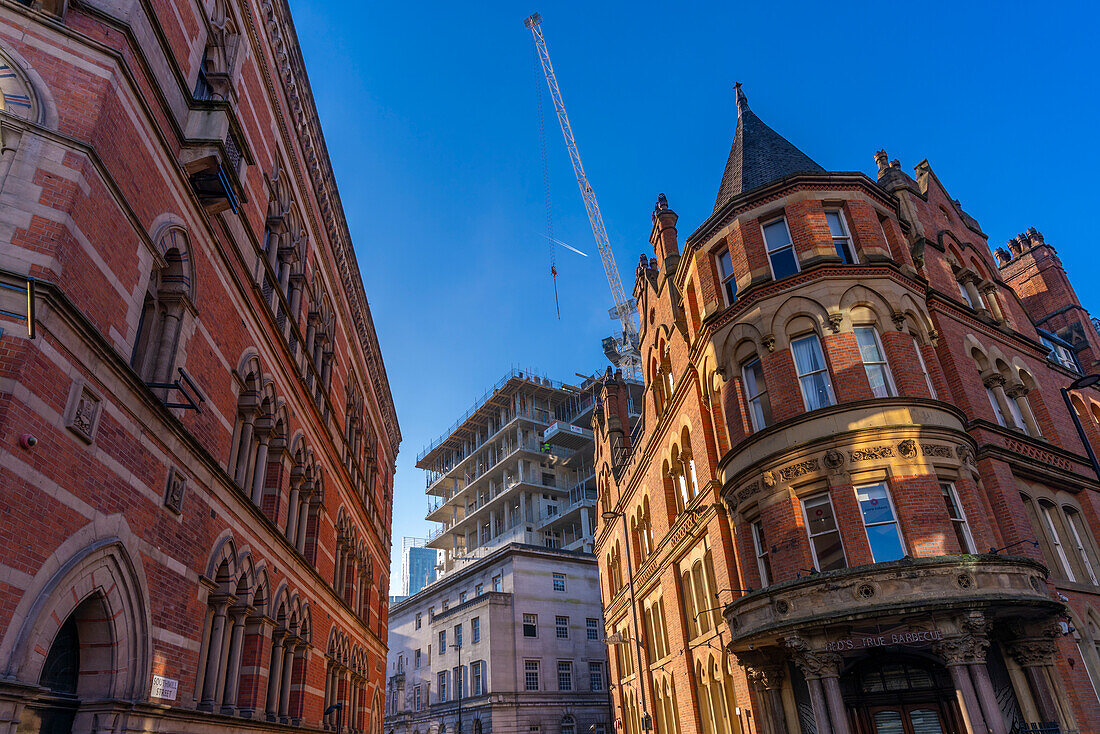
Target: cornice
(306,125)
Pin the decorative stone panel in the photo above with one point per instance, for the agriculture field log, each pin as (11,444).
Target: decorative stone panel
(83,411)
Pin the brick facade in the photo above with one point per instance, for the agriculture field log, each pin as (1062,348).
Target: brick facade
(849,527)
(197,437)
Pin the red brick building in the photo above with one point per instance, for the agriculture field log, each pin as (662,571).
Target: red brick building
(859,502)
(197,437)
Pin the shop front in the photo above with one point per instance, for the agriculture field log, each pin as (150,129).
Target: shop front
(945,645)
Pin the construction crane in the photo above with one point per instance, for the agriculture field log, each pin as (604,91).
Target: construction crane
(621,350)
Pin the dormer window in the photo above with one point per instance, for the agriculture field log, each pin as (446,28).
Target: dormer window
(781,255)
(1060,352)
(842,241)
(725,275)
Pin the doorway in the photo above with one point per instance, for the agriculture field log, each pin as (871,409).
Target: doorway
(893,693)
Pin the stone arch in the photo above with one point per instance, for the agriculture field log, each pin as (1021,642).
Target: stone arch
(860,296)
(740,334)
(173,246)
(791,309)
(102,573)
(221,568)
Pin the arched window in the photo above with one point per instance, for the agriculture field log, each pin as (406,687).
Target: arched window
(158,334)
(568,725)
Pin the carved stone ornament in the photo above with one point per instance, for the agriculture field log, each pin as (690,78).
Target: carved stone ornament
(794,471)
(1032,651)
(769,479)
(868,454)
(173,494)
(748,491)
(965,453)
(1016,390)
(994,380)
(899,320)
(835,320)
(833,460)
(84,409)
(934,336)
(769,343)
(962,650)
(813,664)
(932,449)
(908,449)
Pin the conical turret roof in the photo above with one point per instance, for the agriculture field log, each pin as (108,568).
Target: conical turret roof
(759,155)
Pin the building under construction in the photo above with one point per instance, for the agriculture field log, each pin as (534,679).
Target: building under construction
(510,636)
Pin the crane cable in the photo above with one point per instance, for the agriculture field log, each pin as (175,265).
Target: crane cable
(537,68)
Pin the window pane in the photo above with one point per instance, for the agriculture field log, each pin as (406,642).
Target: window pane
(784,263)
(835,227)
(885,543)
(844,251)
(874,504)
(880,384)
(725,265)
(868,345)
(776,235)
(829,551)
(819,515)
(807,355)
(815,389)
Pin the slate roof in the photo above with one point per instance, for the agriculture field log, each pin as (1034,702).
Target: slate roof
(759,155)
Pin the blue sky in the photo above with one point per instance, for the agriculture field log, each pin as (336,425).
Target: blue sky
(429,112)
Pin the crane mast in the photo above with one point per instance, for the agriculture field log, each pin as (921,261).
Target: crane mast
(622,350)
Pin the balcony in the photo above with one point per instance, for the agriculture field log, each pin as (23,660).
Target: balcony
(1007,585)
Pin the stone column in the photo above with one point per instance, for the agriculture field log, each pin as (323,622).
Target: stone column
(259,471)
(214,660)
(996,383)
(288,676)
(303,523)
(1015,392)
(243,455)
(970,284)
(233,669)
(814,665)
(835,701)
(990,293)
(957,653)
(275,677)
(768,676)
(292,513)
(173,316)
(1033,654)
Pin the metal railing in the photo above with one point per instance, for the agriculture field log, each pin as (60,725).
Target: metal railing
(515,372)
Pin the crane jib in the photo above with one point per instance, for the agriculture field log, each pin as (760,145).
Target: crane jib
(627,310)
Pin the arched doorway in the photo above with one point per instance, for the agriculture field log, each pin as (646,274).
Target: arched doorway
(900,694)
(78,665)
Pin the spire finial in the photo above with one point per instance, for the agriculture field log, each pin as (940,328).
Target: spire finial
(742,100)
